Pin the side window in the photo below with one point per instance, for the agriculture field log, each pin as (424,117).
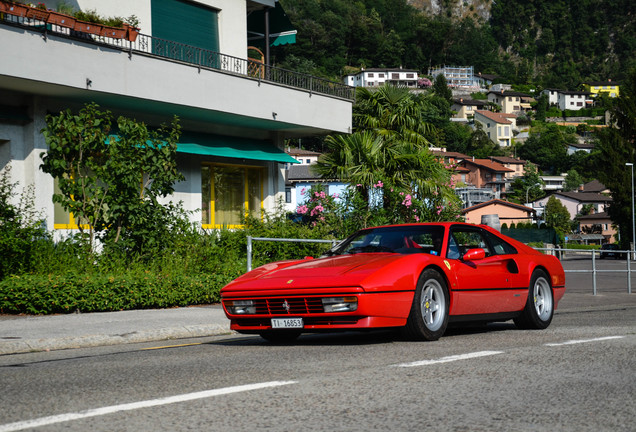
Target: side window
(499,246)
(463,239)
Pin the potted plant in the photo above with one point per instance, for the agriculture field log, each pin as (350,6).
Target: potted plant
(38,13)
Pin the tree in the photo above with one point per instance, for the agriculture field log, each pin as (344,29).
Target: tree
(556,216)
(617,146)
(528,186)
(572,180)
(111,183)
(440,87)
(389,146)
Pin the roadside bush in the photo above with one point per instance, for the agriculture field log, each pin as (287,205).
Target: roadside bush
(21,231)
(46,294)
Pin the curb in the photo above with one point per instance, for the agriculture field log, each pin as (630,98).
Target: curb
(22,346)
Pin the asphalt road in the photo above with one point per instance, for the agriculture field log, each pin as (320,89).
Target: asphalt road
(578,375)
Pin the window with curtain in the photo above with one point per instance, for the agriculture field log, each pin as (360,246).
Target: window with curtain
(230,192)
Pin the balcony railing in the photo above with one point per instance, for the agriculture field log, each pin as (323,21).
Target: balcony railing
(203,58)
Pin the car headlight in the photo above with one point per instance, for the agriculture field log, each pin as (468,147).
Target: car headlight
(240,307)
(340,304)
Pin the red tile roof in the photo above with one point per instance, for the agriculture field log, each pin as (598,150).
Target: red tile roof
(497,117)
(488,164)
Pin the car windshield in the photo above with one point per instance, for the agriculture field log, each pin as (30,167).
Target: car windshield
(407,239)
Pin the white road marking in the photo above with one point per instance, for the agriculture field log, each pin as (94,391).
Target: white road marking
(45,421)
(450,359)
(580,341)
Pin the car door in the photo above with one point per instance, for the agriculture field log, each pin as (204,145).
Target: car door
(478,285)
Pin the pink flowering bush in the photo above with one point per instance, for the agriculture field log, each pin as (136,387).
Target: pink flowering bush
(319,206)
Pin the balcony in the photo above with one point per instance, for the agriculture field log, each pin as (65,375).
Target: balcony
(170,78)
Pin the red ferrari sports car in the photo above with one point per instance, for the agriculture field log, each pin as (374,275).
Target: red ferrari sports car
(418,277)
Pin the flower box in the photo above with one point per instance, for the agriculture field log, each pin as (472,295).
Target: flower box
(15,9)
(131,32)
(88,27)
(113,32)
(61,19)
(37,14)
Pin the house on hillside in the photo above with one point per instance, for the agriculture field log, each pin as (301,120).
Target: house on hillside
(596,88)
(304,157)
(301,178)
(376,77)
(574,201)
(466,108)
(553,183)
(508,212)
(191,60)
(484,173)
(553,95)
(599,224)
(511,101)
(518,166)
(456,76)
(573,100)
(484,80)
(498,126)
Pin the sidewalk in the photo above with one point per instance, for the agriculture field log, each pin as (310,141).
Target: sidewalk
(21,334)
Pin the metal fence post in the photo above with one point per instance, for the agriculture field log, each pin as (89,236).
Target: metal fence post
(594,271)
(249,253)
(629,273)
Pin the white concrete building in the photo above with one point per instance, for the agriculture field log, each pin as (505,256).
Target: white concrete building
(190,60)
(376,77)
(572,100)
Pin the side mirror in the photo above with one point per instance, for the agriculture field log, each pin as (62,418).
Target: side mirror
(474,255)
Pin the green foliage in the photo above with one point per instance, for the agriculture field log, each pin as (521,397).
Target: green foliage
(617,146)
(44,294)
(556,216)
(522,42)
(441,89)
(573,180)
(111,184)
(21,231)
(547,148)
(527,187)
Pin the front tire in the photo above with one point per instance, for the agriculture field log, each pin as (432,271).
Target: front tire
(428,318)
(539,308)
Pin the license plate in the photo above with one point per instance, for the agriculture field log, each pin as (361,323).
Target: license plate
(287,323)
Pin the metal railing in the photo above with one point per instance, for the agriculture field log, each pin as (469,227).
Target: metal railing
(250,239)
(199,57)
(560,253)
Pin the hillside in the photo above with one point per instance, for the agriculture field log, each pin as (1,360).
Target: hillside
(552,43)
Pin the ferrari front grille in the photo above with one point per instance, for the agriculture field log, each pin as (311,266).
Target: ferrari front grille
(288,305)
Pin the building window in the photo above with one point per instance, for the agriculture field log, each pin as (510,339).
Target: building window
(308,161)
(230,192)
(410,75)
(370,75)
(288,195)
(61,218)
(381,75)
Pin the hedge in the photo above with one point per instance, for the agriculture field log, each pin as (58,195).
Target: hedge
(38,294)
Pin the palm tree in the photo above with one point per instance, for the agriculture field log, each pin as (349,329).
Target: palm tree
(389,145)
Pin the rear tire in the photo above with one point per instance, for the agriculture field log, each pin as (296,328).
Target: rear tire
(428,318)
(280,336)
(539,308)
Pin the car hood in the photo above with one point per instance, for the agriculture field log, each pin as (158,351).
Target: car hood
(337,271)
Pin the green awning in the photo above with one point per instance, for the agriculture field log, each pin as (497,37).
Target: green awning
(232,147)
(281,30)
